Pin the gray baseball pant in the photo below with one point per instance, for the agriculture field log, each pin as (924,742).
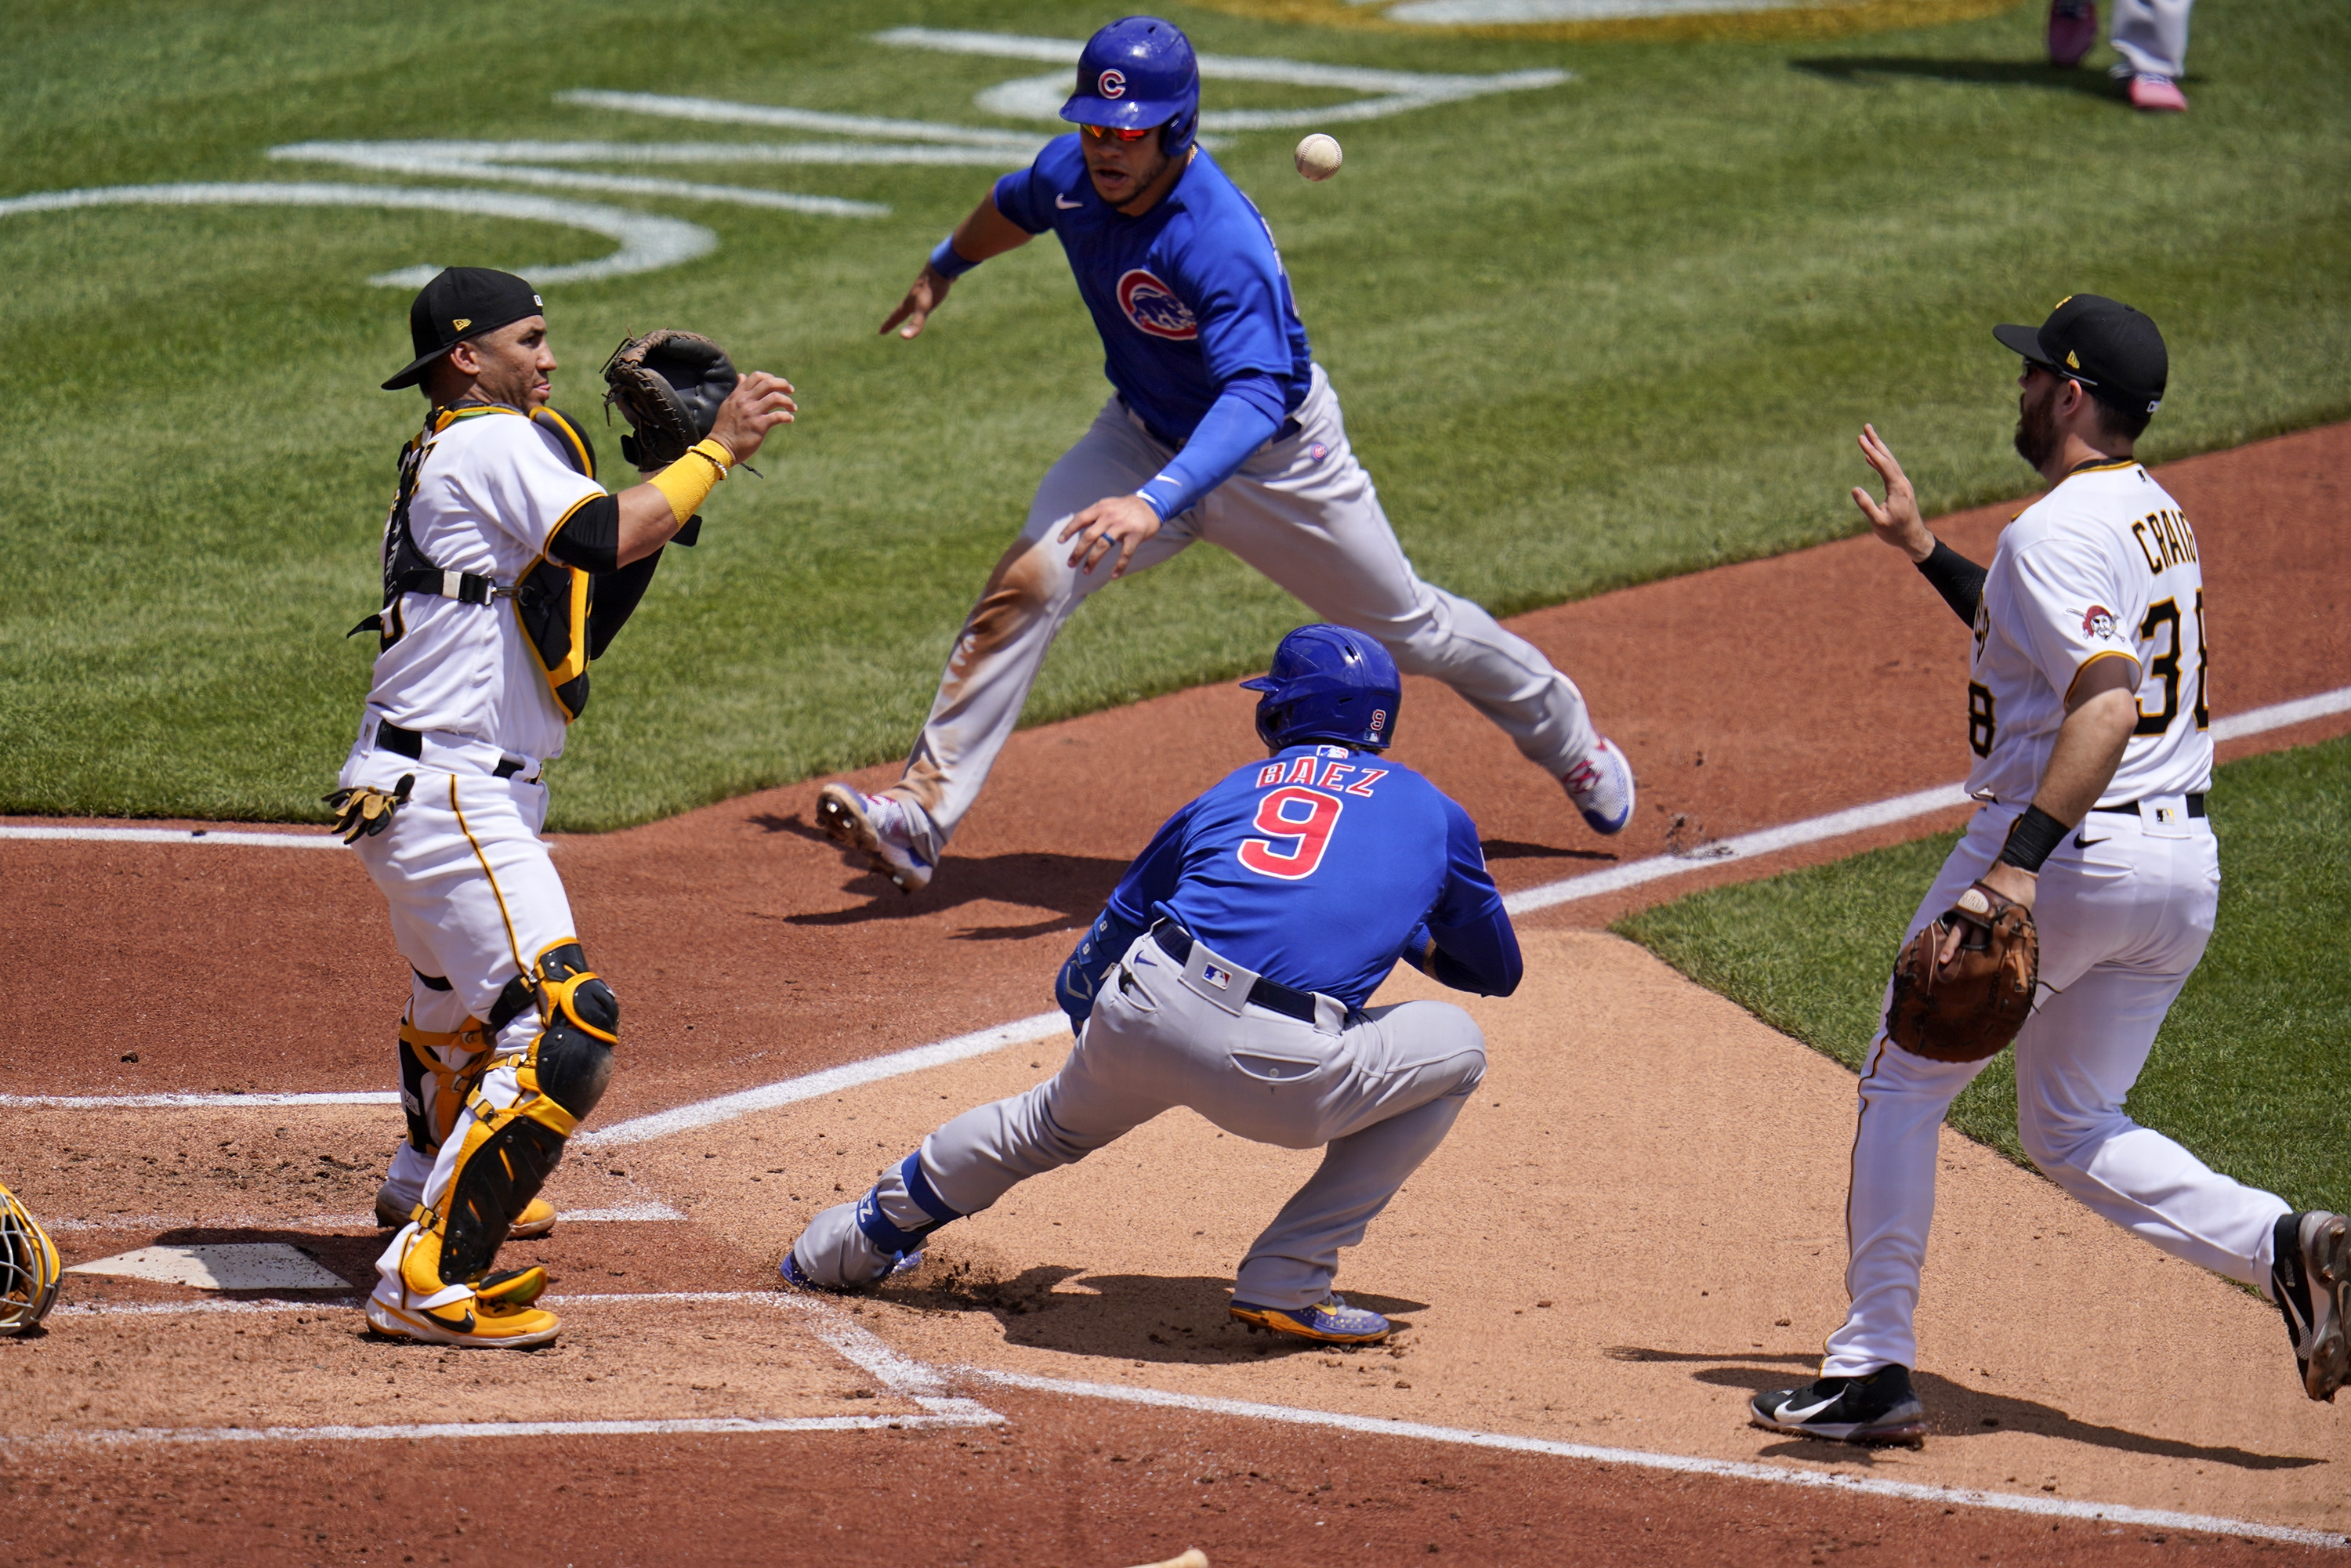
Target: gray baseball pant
(1380,1088)
(2152,36)
(1303,512)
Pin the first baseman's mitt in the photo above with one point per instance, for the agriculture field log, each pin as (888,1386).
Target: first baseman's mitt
(668,386)
(1972,1007)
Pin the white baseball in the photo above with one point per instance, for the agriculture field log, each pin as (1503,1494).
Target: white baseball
(1319,156)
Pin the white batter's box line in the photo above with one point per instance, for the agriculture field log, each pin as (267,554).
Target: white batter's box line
(223,1102)
(1397,92)
(1859,818)
(1776,1475)
(330,1223)
(715,1425)
(831,1080)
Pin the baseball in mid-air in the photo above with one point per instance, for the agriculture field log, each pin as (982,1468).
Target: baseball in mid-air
(1319,156)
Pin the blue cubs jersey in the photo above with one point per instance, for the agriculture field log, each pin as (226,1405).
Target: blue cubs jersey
(1185,297)
(1316,867)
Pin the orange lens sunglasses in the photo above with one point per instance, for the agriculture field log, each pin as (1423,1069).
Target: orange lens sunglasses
(1105,132)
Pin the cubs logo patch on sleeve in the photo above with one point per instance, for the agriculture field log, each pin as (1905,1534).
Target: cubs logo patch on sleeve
(1153,308)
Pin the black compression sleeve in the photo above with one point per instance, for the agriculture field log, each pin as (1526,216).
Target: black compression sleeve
(2031,838)
(1958,579)
(589,538)
(614,598)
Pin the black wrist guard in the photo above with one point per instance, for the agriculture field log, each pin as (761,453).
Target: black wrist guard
(1958,579)
(2032,840)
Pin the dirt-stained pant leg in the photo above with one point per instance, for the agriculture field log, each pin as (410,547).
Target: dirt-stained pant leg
(1028,596)
(1305,513)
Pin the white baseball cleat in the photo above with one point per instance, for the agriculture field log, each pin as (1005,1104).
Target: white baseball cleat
(876,825)
(1602,788)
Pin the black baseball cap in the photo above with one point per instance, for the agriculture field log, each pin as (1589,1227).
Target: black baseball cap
(462,302)
(2109,348)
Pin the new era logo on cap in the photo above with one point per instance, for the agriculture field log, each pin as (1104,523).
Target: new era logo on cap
(2113,350)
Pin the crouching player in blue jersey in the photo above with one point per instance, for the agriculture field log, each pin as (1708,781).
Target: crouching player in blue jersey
(1223,428)
(1229,974)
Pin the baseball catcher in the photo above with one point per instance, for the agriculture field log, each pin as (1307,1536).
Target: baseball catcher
(507,567)
(29,1268)
(1229,974)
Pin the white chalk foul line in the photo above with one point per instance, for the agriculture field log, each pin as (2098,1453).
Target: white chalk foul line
(329,1223)
(1776,1475)
(716,1425)
(318,841)
(196,1102)
(1859,818)
(726,1107)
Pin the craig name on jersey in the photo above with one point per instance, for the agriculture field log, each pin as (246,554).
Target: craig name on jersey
(2104,566)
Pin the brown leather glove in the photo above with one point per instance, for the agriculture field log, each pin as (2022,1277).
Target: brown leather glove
(1970,1008)
(668,386)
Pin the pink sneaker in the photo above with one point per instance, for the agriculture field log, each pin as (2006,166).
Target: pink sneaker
(2073,31)
(2157,94)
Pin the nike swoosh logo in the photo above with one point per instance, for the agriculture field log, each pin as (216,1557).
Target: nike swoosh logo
(2082,843)
(1789,1412)
(1064,203)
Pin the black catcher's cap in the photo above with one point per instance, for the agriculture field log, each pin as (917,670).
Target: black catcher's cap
(2109,348)
(463,302)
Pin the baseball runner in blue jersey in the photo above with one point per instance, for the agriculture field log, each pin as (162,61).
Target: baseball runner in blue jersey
(1222,428)
(1229,974)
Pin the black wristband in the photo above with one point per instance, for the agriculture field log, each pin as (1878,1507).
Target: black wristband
(1958,579)
(2032,840)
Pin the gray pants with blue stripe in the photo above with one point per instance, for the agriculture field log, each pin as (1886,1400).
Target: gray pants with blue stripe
(1378,1090)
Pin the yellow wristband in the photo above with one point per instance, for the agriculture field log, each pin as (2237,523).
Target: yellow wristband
(687,483)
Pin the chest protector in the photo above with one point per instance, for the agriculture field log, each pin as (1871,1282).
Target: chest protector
(550,600)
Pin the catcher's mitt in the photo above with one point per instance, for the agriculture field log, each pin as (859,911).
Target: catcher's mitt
(668,386)
(1972,1007)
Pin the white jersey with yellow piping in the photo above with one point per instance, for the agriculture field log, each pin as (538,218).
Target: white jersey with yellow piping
(2103,566)
(493,490)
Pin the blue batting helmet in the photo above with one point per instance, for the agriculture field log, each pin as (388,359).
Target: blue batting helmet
(1329,683)
(1136,73)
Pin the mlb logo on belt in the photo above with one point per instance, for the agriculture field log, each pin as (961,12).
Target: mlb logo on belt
(2165,816)
(1153,308)
(1220,979)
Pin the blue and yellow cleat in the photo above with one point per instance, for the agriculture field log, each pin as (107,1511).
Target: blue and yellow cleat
(1331,1320)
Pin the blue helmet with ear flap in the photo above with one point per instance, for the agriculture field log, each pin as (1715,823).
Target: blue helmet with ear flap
(1329,683)
(1136,73)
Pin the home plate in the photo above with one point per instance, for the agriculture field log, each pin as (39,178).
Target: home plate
(224,1266)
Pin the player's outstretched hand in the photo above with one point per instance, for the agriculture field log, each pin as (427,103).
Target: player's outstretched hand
(757,404)
(1897,522)
(1125,521)
(929,292)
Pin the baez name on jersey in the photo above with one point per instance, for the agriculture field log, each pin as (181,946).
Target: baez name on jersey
(1321,774)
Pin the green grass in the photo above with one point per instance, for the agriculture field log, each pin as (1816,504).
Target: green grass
(2249,1071)
(1585,337)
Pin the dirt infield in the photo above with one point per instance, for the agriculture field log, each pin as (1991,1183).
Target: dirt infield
(1632,1230)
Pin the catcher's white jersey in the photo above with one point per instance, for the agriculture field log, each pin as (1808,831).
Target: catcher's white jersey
(2102,567)
(492,492)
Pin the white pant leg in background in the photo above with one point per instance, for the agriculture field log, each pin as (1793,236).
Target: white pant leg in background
(1381,1088)
(1300,510)
(2123,922)
(2152,36)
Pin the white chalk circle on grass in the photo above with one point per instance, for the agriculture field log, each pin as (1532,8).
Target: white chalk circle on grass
(647,241)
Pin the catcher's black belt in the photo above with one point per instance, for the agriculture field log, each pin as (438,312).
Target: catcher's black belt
(409,743)
(2130,808)
(1271,995)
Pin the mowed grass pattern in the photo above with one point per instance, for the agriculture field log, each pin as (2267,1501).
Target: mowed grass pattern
(1586,336)
(2249,1069)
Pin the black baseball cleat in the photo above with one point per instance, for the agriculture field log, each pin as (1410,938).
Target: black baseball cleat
(1879,1409)
(2310,1280)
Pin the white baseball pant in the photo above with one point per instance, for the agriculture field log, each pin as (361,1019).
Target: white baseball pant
(2152,36)
(474,900)
(1300,510)
(1380,1089)
(2123,922)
